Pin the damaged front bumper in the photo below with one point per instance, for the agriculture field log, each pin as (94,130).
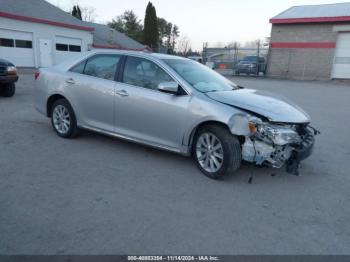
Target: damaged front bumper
(279,145)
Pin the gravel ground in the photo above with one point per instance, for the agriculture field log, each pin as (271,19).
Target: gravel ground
(100,195)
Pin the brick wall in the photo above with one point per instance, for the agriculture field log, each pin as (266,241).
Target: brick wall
(302,63)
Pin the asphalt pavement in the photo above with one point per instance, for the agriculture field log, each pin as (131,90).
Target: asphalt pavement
(101,195)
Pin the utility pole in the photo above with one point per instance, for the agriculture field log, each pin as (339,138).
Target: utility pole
(204,52)
(257,57)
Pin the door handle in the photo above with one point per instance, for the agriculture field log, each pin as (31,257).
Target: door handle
(122,93)
(70,81)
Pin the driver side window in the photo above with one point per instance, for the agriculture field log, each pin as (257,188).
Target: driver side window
(144,73)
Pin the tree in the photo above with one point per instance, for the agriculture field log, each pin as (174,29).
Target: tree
(151,31)
(174,35)
(168,31)
(87,13)
(184,46)
(129,24)
(118,23)
(162,25)
(76,12)
(233,44)
(79,13)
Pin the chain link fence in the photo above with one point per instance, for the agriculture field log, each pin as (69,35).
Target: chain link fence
(237,61)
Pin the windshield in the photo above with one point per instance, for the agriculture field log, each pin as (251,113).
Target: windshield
(250,58)
(199,76)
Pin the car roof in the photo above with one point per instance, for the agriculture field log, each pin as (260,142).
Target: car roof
(70,62)
(132,52)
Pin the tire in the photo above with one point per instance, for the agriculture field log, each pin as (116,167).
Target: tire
(230,150)
(8,90)
(63,119)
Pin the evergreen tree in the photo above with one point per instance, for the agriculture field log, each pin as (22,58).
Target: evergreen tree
(129,24)
(74,12)
(174,35)
(151,31)
(79,13)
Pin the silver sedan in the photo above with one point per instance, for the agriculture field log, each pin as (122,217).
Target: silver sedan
(175,104)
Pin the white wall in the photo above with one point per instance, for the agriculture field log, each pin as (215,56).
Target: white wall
(43,31)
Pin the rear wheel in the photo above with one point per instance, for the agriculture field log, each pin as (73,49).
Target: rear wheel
(63,119)
(216,151)
(8,90)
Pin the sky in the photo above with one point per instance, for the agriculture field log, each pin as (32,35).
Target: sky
(217,22)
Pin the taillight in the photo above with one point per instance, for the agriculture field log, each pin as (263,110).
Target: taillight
(36,75)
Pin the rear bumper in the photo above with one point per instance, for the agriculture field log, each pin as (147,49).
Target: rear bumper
(8,79)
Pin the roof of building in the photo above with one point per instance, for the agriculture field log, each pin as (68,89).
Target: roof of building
(339,12)
(39,11)
(106,37)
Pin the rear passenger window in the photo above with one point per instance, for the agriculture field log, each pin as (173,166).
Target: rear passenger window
(79,68)
(102,66)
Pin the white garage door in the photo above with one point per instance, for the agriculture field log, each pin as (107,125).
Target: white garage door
(17,47)
(341,67)
(66,47)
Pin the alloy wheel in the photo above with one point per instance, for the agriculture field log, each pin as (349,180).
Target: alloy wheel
(61,119)
(209,152)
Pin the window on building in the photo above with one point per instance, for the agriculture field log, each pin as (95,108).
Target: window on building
(61,47)
(6,42)
(102,66)
(23,44)
(74,48)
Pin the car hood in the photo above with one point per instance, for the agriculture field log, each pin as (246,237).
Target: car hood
(275,108)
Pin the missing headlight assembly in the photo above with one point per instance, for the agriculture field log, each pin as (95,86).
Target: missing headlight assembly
(277,145)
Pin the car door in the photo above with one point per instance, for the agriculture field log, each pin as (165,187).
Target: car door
(145,113)
(92,87)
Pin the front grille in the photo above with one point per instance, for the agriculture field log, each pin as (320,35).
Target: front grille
(3,70)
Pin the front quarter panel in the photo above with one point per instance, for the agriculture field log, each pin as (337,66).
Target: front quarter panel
(203,109)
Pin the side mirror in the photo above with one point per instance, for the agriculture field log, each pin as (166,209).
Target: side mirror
(169,87)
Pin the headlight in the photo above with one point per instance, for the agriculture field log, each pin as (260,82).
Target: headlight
(279,135)
(11,70)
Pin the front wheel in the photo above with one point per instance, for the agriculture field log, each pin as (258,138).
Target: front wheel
(8,90)
(63,119)
(217,152)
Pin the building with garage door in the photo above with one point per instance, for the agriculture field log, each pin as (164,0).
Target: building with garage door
(37,34)
(311,43)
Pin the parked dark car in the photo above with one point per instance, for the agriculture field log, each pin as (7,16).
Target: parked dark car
(8,77)
(251,65)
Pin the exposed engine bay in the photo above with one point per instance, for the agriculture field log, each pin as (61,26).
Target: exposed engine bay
(276,145)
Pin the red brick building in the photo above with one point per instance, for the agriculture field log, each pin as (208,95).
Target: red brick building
(311,43)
